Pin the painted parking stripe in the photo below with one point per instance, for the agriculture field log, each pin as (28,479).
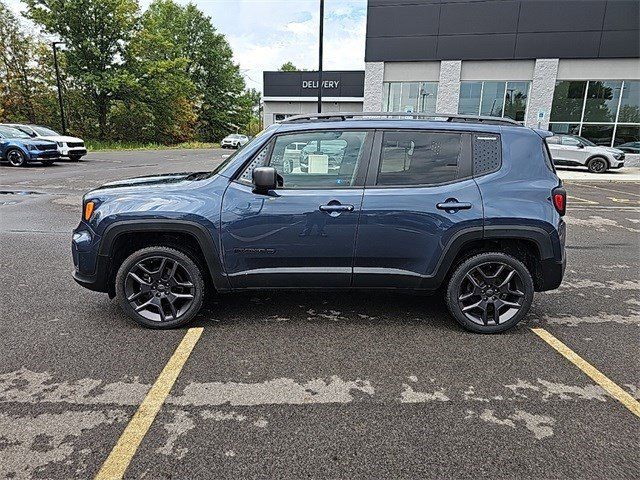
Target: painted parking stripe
(596,375)
(598,187)
(581,201)
(118,460)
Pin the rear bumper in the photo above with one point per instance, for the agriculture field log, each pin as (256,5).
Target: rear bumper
(551,274)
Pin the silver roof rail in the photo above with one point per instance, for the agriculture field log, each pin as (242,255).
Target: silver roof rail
(445,117)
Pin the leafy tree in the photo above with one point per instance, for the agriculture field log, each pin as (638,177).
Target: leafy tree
(288,67)
(96,33)
(183,34)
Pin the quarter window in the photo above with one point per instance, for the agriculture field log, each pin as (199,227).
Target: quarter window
(320,159)
(419,158)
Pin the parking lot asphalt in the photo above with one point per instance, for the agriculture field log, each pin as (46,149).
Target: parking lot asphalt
(312,385)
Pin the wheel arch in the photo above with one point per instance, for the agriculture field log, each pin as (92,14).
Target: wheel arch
(598,155)
(122,238)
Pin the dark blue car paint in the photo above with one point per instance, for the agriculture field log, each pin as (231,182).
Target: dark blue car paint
(393,237)
(23,144)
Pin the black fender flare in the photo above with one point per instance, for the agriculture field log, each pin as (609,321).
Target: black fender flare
(195,229)
(538,235)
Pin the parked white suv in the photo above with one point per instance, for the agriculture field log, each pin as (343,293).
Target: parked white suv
(571,150)
(68,147)
(234,140)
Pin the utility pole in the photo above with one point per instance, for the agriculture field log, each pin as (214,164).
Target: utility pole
(320,56)
(55,61)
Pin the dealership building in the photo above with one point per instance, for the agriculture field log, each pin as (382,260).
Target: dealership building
(293,93)
(566,65)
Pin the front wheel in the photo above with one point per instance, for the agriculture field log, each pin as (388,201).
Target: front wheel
(160,287)
(490,292)
(16,158)
(597,165)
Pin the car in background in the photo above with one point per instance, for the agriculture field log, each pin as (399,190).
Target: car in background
(630,147)
(235,140)
(575,151)
(72,148)
(19,149)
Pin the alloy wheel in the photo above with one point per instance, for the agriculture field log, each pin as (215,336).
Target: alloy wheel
(491,293)
(598,166)
(159,288)
(16,158)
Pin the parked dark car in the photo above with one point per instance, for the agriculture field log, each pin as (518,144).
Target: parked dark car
(17,148)
(470,204)
(629,147)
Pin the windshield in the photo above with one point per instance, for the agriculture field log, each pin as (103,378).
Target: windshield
(46,132)
(9,132)
(588,143)
(228,160)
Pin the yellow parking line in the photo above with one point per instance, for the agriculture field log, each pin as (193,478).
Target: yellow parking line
(613,389)
(124,450)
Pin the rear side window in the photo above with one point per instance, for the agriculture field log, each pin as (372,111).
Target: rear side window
(487,153)
(420,158)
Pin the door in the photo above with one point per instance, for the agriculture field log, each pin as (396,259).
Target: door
(572,150)
(419,196)
(302,234)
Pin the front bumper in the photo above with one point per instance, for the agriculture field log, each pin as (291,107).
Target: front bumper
(619,165)
(90,268)
(36,155)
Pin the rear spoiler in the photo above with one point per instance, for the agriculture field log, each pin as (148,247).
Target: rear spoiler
(543,133)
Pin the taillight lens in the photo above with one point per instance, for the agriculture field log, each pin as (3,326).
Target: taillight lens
(559,197)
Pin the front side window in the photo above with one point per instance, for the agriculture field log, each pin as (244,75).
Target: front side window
(419,158)
(320,159)
(570,141)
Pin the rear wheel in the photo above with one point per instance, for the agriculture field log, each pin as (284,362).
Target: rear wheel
(16,158)
(490,292)
(160,287)
(598,165)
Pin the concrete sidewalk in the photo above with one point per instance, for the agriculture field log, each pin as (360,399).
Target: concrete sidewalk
(577,174)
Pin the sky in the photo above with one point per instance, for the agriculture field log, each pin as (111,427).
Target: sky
(264,34)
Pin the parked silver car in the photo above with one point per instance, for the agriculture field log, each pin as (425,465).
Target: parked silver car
(572,150)
(235,140)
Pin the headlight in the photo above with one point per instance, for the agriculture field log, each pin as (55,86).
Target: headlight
(617,156)
(32,147)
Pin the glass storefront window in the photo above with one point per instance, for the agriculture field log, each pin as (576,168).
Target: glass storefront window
(598,134)
(607,112)
(626,134)
(602,101)
(630,103)
(496,99)
(568,99)
(492,99)
(515,100)
(568,128)
(410,96)
(469,103)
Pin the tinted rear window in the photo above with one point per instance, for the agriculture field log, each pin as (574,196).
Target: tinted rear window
(419,158)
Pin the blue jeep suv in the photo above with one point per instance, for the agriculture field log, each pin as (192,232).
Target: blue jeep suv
(470,204)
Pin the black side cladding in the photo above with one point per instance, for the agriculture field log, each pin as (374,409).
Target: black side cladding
(487,153)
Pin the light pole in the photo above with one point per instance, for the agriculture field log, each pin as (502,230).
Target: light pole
(320,56)
(55,61)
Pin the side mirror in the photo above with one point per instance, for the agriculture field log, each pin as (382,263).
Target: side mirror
(581,145)
(264,179)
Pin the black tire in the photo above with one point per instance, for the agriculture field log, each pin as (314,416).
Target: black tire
(506,297)
(598,165)
(16,158)
(190,274)
(46,163)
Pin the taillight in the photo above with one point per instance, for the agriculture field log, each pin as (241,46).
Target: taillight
(559,197)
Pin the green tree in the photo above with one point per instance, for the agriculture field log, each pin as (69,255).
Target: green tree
(185,35)
(288,67)
(96,33)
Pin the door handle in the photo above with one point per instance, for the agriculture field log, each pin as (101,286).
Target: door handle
(336,208)
(453,206)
